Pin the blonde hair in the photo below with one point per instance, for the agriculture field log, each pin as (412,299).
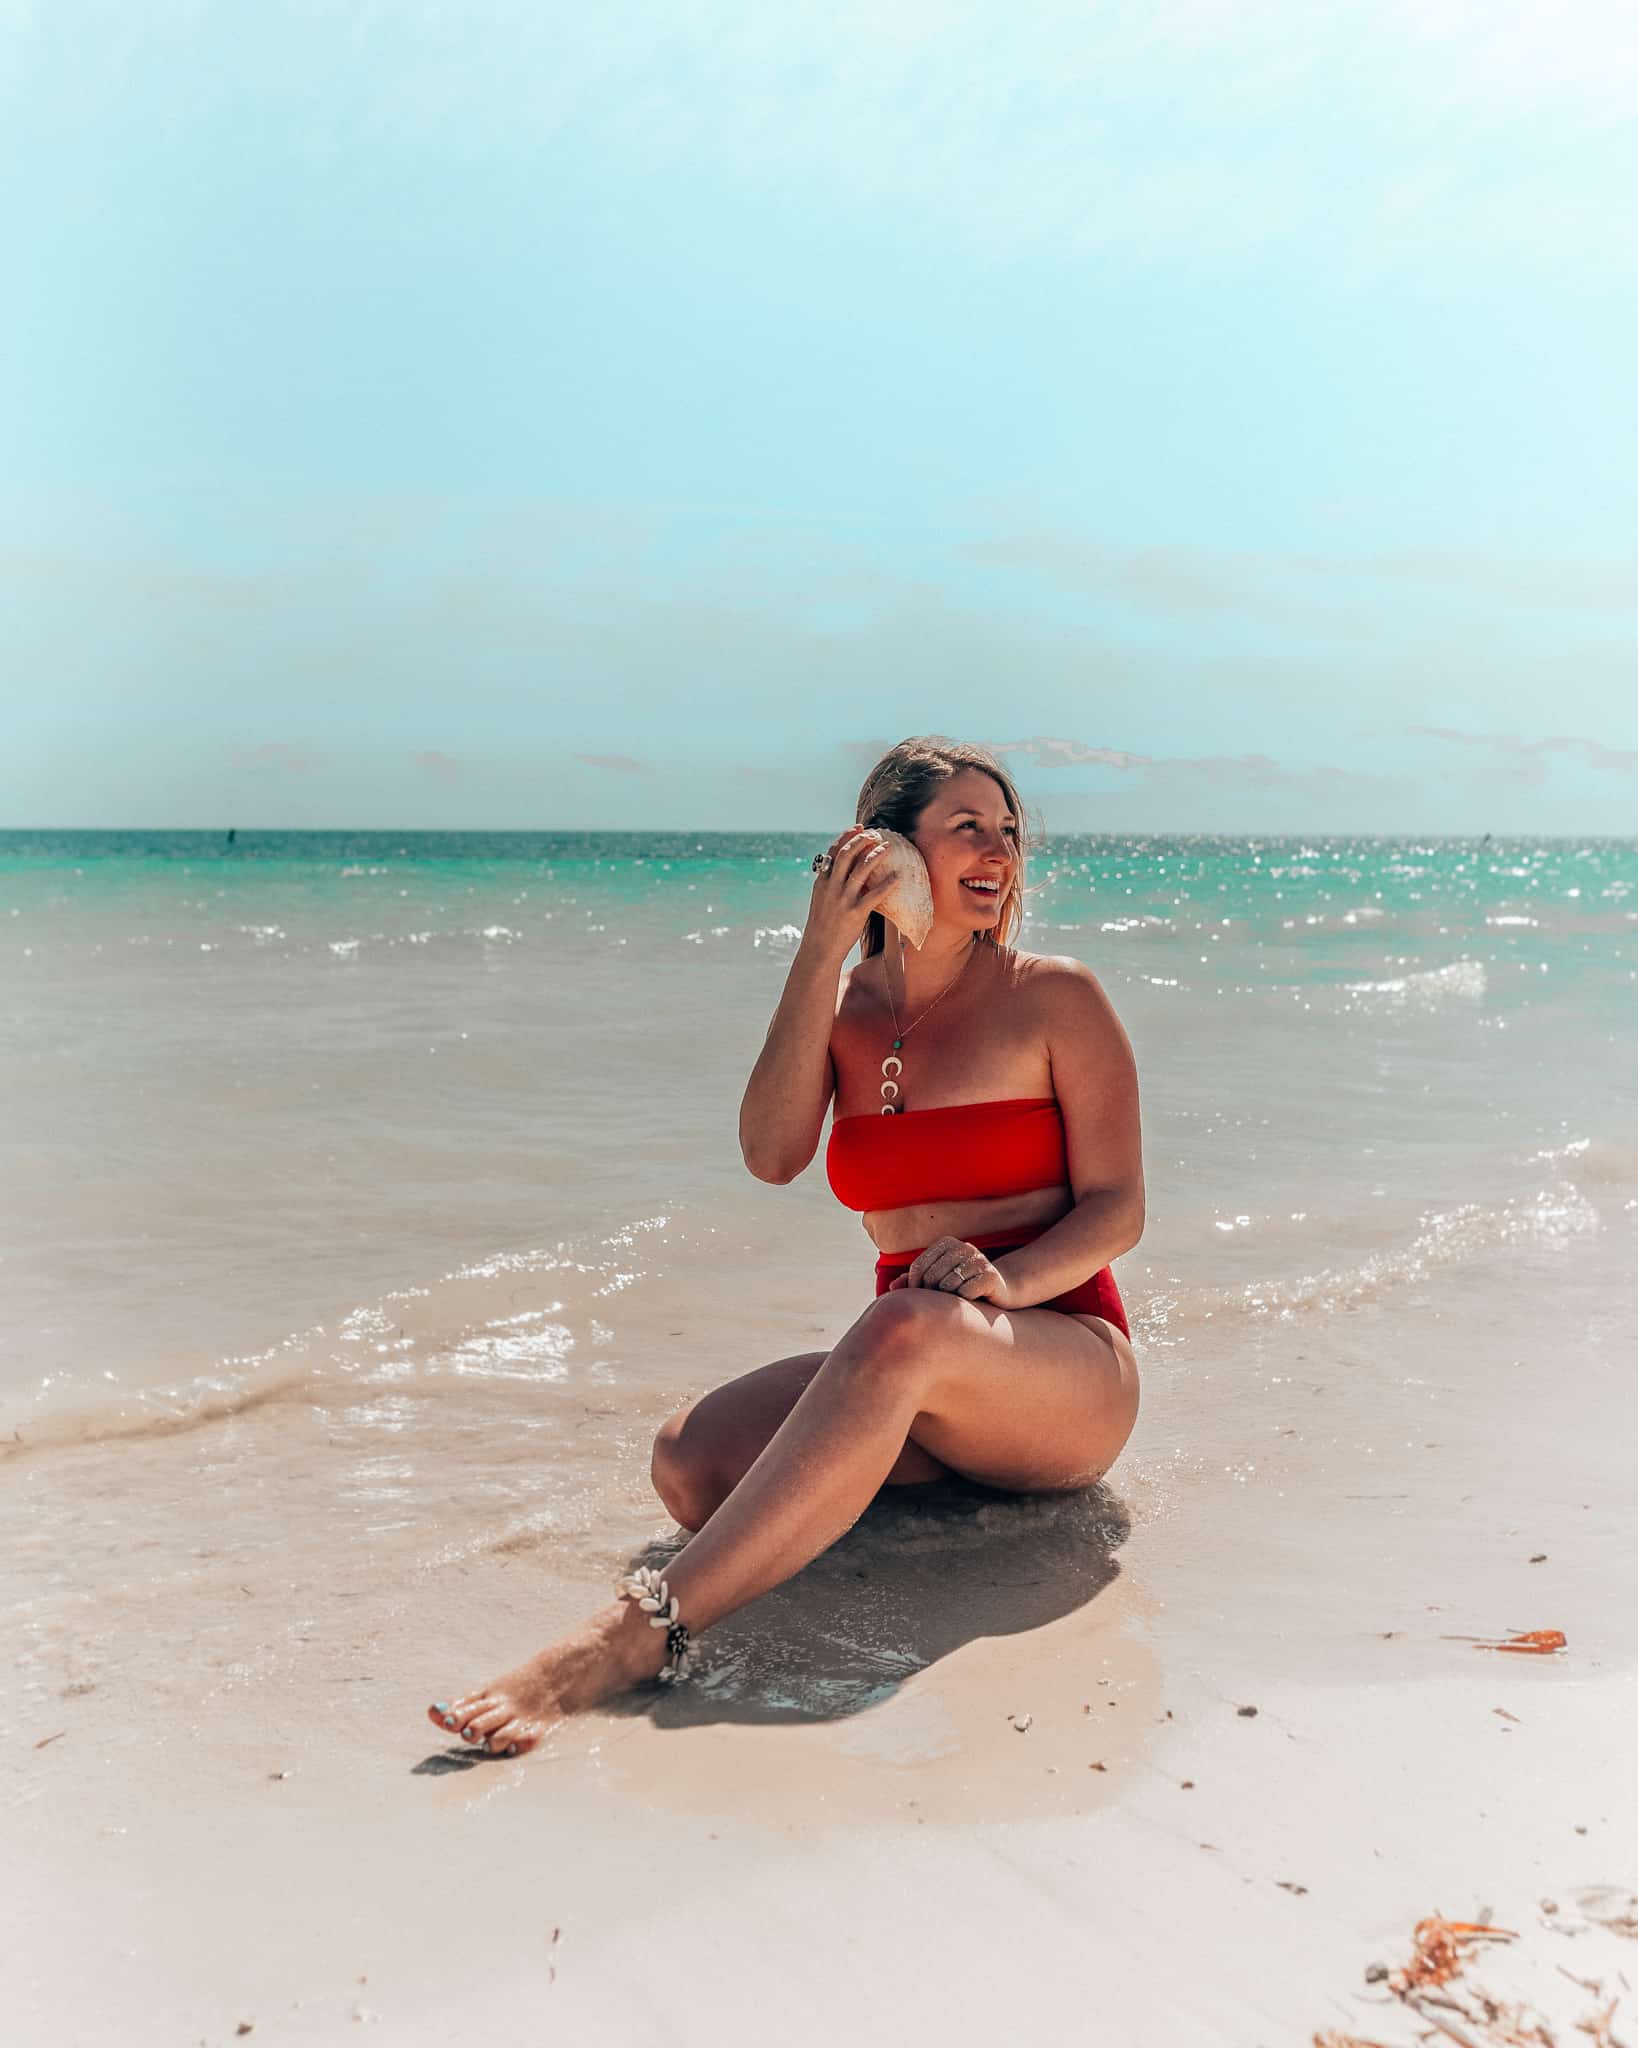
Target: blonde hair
(901,786)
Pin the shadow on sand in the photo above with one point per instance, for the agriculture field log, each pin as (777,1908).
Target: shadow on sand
(923,1571)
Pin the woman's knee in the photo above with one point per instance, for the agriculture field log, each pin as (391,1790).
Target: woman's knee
(898,1333)
(682,1471)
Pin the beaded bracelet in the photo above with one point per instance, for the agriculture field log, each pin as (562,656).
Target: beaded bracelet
(649,1590)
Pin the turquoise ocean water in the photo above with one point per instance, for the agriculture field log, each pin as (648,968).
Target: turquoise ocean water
(249,1087)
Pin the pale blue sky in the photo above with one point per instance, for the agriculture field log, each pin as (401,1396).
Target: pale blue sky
(529,415)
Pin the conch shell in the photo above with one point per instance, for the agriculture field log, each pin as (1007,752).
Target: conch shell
(909,903)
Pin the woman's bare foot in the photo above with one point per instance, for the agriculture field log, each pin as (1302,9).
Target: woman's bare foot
(616,1649)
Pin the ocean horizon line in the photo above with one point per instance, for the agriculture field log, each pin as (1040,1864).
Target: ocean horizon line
(784,832)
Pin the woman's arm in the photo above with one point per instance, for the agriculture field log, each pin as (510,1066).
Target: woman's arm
(1094,1077)
(793,1081)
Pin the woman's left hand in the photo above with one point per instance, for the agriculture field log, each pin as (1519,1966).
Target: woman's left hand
(939,1265)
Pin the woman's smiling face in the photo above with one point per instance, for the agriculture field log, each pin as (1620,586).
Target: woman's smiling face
(968,830)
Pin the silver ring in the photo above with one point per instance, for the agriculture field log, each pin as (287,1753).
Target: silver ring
(821,863)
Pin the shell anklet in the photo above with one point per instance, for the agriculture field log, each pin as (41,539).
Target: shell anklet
(649,1590)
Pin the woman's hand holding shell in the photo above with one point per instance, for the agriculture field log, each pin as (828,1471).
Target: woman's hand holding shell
(858,879)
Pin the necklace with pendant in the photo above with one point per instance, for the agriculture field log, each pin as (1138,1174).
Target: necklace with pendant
(892,1065)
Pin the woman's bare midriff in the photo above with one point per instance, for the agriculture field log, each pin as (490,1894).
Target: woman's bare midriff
(990,1048)
(896,1230)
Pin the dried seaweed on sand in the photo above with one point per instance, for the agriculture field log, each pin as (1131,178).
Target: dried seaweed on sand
(1443,1949)
(1526,1642)
(1458,2009)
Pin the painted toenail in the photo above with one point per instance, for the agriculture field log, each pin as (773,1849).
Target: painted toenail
(466,1734)
(449,1720)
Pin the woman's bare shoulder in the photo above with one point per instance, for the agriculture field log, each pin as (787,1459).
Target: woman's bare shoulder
(1059,967)
(1037,971)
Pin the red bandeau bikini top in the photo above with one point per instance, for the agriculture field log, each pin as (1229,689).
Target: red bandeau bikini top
(962,1153)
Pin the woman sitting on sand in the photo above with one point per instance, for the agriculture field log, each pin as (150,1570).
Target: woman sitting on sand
(1002,1145)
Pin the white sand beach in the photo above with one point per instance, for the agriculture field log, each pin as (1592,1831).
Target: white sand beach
(986,1770)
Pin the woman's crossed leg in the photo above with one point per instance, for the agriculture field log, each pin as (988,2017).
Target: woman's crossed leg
(1020,1399)
(703,1451)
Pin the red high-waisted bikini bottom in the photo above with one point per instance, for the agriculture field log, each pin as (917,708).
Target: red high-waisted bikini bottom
(1098,1296)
